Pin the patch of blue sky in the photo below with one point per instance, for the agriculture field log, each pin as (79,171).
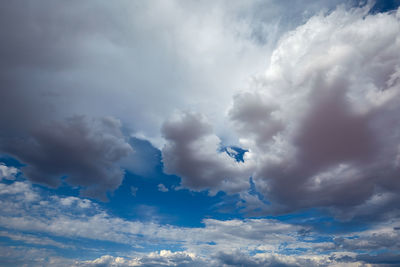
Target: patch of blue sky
(384,6)
(235,152)
(10,161)
(182,207)
(321,221)
(139,197)
(179,207)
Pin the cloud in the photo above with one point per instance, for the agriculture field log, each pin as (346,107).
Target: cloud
(42,219)
(61,61)
(318,125)
(239,259)
(84,151)
(161,258)
(254,116)
(104,64)
(86,63)
(74,201)
(20,190)
(162,188)
(7,172)
(32,239)
(338,102)
(21,256)
(192,153)
(134,190)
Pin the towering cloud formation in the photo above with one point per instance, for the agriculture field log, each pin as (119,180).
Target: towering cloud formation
(336,78)
(322,123)
(334,84)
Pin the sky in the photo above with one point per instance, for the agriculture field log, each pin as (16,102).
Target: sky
(200,133)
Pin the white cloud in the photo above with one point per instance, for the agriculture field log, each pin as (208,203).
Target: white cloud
(161,258)
(162,188)
(69,201)
(319,125)
(40,220)
(134,190)
(32,239)
(20,190)
(331,82)
(7,172)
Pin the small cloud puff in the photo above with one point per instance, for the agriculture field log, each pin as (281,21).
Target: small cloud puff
(7,172)
(162,188)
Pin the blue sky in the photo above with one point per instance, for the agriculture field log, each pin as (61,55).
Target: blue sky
(211,133)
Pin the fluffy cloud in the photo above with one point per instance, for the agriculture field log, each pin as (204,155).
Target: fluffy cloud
(161,258)
(162,188)
(7,172)
(64,60)
(319,125)
(82,150)
(192,153)
(334,86)
(84,63)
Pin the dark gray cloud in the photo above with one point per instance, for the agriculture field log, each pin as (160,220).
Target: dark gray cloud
(41,43)
(83,151)
(384,259)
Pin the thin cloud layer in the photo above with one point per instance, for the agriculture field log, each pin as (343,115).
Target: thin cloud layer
(30,216)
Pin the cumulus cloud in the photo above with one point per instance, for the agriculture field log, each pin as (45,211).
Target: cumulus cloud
(83,151)
(338,100)
(192,152)
(319,128)
(319,125)
(254,116)
(60,60)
